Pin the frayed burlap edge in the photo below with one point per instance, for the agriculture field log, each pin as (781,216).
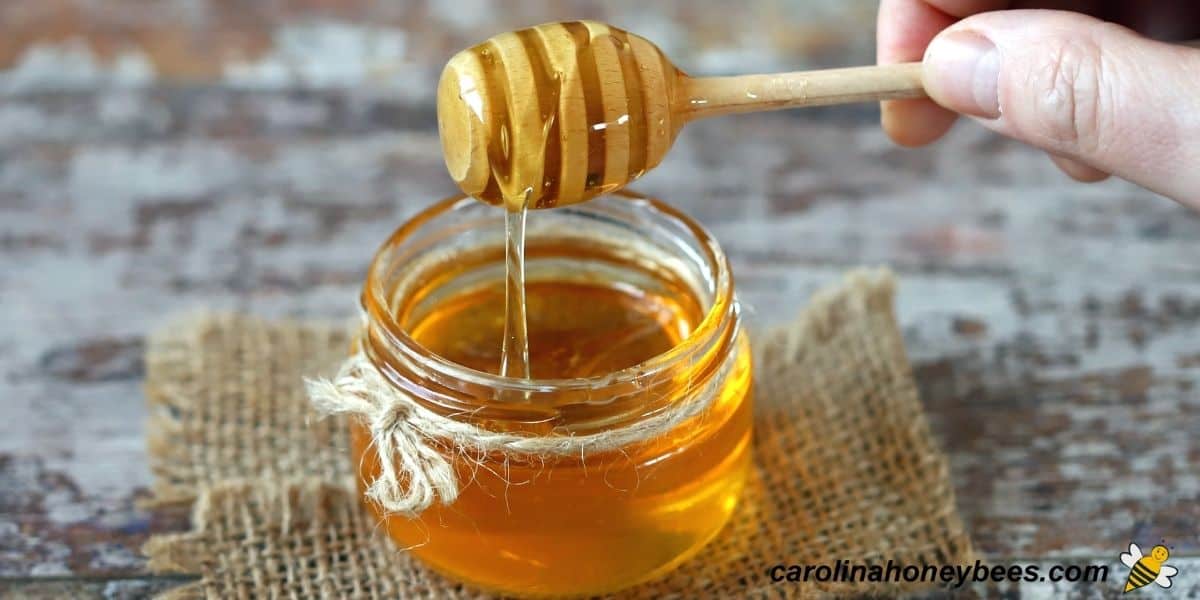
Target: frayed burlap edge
(835,401)
(195,372)
(304,538)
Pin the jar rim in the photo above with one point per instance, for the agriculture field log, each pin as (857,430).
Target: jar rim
(723,311)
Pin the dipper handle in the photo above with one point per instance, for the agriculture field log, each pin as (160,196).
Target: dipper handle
(562,112)
(714,96)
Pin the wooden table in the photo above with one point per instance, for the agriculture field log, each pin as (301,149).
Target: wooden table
(1054,327)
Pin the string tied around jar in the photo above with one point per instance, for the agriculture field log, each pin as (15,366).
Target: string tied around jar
(413,472)
(413,442)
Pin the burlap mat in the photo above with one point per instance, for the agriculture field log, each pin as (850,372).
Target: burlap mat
(846,467)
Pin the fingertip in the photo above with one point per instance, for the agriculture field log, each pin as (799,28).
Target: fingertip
(904,28)
(915,122)
(1078,171)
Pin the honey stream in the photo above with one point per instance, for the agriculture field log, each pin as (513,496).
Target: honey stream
(598,521)
(514,355)
(527,171)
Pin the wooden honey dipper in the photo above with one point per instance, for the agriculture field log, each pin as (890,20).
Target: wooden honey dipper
(558,113)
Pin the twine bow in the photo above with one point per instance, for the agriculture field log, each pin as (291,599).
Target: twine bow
(413,442)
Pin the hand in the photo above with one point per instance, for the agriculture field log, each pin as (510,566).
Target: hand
(1098,97)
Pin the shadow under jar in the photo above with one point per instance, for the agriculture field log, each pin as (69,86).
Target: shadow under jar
(631,313)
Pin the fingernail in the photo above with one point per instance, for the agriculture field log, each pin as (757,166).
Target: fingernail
(962,71)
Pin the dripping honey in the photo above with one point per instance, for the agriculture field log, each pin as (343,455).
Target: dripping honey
(558,113)
(565,525)
(514,353)
(587,311)
(545,91)
(580,525)
(574,329)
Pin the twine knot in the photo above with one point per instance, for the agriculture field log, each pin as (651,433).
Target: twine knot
(412,471)
(394,416)
(414,444)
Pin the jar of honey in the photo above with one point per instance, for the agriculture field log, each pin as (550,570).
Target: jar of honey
(634,334)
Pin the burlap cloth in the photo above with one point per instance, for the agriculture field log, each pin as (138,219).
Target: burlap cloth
(846,467)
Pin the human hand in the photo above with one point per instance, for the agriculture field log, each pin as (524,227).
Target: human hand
(1098,97)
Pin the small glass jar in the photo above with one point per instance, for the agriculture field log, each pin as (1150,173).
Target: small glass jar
(567,525)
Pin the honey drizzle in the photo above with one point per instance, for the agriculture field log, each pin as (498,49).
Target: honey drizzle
(504,177)
(499,154)
(593,104)
(549,84)
(507,181)
(636,124)
(516,324)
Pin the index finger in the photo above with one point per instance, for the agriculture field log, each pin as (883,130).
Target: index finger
(903,31)
(905,27)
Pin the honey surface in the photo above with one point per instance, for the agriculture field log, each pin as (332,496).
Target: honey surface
(567,112)
(574,329)
(578,525)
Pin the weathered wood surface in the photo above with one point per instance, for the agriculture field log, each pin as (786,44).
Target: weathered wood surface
(1054,327)
(397,47)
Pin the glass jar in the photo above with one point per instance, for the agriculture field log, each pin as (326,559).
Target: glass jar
(598,521)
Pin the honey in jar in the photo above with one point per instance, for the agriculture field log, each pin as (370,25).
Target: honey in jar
(631,313)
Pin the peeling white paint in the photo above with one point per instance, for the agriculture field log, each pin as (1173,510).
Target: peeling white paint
(61,509)
(317,55)
(107,182)
(55,566)
(463,14)
(326,55)
(122,106)
(733,60)
(780,257)
(21,120)
(112,557)
(73,65)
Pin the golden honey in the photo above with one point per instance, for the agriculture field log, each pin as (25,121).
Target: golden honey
(574,329)
(556,114)
(630,311)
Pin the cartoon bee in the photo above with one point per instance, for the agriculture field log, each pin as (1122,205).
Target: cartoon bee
(1144,569)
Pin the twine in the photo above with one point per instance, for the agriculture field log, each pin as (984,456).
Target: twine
(845,465)
(412,441)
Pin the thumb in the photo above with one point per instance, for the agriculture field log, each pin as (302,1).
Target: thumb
(1079,88)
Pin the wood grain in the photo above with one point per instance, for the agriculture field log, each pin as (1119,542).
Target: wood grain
(1065,400)
(559,113)
(396,47)
(555,114)
(704,97)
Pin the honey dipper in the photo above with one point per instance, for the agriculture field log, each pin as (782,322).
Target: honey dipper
(558,113)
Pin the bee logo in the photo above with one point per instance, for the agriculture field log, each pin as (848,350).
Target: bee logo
(1144,569)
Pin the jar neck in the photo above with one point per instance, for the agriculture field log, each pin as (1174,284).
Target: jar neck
(577,406)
